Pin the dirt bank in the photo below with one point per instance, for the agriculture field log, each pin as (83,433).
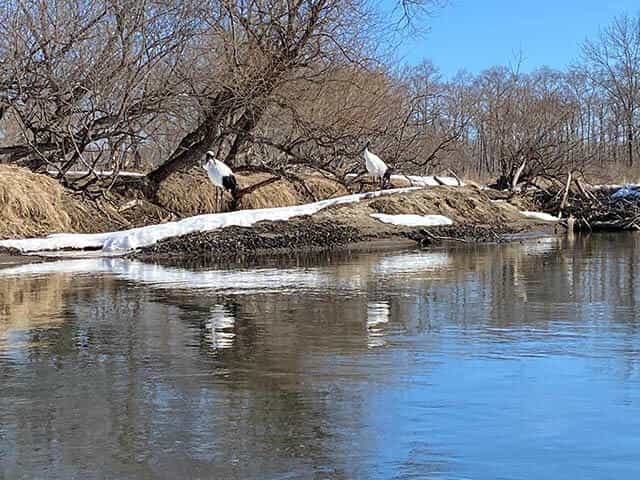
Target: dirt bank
(350,226)
(188,194)
(36,205)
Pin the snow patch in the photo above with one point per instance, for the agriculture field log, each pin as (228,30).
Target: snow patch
(99,173)
(628,191)
(414,220)
(614,186)
(118,243)
(421,181)
(429,181)
(540,216)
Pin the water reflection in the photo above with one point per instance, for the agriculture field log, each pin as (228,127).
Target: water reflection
(412,262)
(229,281)
(377,317)
(220,328)
(480,362)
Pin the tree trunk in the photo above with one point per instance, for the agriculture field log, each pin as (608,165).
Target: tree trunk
(211,131)
(630,144)
(191,147)
(244,126)
(197,142)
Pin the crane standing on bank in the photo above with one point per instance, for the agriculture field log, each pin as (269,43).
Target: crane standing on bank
(376,167)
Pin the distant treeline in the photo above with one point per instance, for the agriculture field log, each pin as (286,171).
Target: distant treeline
(153,84)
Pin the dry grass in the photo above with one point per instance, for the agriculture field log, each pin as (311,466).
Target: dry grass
(114,212)
(464,205)
(35,205)
(613,173)
(30,204)
(191,194)
(323,187)
(281,193)
(461,204)
(478,179)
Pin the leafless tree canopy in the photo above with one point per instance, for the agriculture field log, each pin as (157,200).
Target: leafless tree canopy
(153,84)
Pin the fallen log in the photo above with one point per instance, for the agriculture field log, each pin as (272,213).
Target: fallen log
(593,210)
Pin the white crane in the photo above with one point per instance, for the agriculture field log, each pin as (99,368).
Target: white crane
(376,167)
(219,174)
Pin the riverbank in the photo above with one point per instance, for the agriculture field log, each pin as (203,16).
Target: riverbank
(35,205)
(237,244)
(473,218)
(393,218)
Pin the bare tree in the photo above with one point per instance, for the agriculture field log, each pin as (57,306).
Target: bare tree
(80,75)
(266,48)
(612,62)
(87,84)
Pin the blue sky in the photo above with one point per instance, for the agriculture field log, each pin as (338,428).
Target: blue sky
(476,34)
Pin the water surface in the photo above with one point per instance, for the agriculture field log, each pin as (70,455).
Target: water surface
(496,362)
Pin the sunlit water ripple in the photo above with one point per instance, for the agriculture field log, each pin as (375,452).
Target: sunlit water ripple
(511,361)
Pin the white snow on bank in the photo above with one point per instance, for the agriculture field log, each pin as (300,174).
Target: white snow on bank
(414,220)
(99,173)
(127,240)
(540,216)
(429,181)
(419,181)
(614,186)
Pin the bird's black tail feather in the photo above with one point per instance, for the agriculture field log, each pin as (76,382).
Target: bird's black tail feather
(229,183)
(386,178)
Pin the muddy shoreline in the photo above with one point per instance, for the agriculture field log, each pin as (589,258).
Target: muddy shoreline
(351,226)
(476,219)
(271,241)
(305,236)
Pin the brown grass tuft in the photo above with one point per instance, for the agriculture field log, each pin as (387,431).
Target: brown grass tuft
(191,194)
(30,204)
(461,204)
(280,193)
(323,187)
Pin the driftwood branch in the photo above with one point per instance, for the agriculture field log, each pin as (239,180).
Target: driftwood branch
(516,177)
(565,196)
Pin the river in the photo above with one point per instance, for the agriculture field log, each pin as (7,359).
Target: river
(515,361)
